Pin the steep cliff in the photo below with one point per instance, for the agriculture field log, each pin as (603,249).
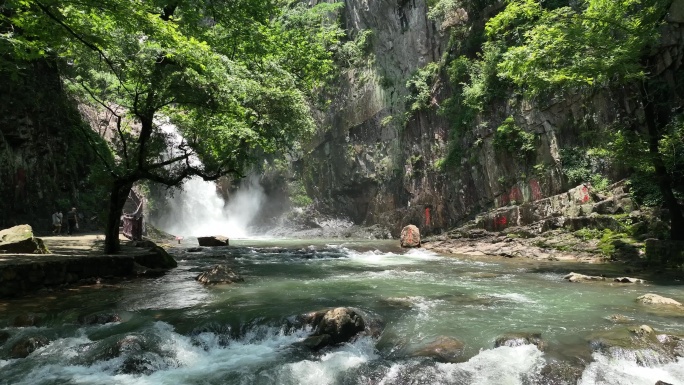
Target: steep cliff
(378,159)
(45,162)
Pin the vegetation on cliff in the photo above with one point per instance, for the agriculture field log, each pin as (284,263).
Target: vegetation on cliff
(527,51)
(233,77)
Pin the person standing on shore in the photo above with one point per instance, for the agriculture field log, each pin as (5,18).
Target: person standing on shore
(72,221)
(57,222)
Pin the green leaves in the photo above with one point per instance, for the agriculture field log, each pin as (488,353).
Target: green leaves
(598,42)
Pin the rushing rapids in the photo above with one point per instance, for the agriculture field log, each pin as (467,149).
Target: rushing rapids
(173,330)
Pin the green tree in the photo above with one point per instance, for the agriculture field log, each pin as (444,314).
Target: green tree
(595,43)
(232,76)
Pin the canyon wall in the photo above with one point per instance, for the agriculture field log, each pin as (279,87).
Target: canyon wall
(376,163)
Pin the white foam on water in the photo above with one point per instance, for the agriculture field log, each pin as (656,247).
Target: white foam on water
(329,367)
(606,370)
(500,366)
(177,359)
(514,297)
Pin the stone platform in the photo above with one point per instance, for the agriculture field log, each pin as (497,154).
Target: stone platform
(74,258)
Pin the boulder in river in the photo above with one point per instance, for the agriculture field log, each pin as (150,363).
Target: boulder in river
(332,327)
(655,299)
(20,240)
(219,274)
(215,240)
(577,277)
(519,339)
(28,345)
(443,349)
(410,236)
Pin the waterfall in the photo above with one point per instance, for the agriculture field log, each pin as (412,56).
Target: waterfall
(197,208)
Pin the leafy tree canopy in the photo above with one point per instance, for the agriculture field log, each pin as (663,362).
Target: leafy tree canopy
(596,42)
(233,76)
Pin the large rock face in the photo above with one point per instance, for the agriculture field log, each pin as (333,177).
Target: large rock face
(20,240)
(371,164)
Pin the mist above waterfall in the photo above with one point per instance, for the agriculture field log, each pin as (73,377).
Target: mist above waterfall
(197,209)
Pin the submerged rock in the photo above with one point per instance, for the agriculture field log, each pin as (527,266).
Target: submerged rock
(655,299)
(27,320)
(20,240)
(333,327)
(410,236)
(219,274)
(28,345)
(638,343)
(4,336)
(443,348)
(519,339)
(215,240)
(194,249)
(619,318)
(98,319)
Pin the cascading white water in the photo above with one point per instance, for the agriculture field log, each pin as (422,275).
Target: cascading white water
(197,209)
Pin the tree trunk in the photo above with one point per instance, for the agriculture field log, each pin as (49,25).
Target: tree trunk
(117,199)
(662,177)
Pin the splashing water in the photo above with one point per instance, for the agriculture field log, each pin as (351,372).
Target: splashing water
(199,210)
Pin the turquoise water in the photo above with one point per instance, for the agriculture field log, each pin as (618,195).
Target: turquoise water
(244,333)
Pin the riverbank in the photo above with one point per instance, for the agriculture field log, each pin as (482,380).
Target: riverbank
(75,259)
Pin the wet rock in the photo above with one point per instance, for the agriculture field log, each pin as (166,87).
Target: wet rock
(215,240)
(559,373)
(157,258)
(638,343)
(333,327)
(219,274)
(194,249)
(519,339)
(662,383)
(655,299)
(98,319)
(131,343)
(643,331)
(443,349)
(410,236)
(619,318)
(4,336)
(28,345)
(20,240)
(27,320)
(139,364)
(628,280)
(144,243)
(576,277)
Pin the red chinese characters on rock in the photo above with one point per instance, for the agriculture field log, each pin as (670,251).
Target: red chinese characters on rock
(515,195)
(500,222)
(585,194)
(536,190)
(427,216)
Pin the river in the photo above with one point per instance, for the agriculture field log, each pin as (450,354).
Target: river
(181,332)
